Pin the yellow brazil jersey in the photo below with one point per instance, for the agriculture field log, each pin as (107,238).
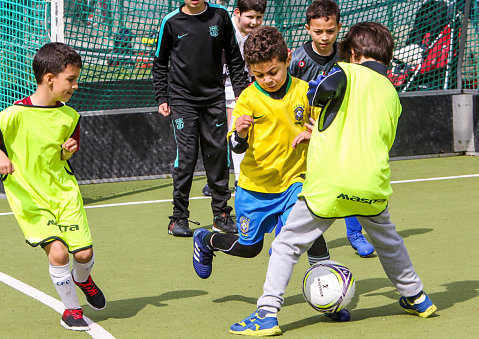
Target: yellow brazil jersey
(270,164)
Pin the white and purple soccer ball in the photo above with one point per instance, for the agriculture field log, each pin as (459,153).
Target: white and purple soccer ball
(328,286)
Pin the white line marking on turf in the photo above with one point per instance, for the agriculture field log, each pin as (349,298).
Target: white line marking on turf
(436,179)
(96,331)
(198,198)
(129,203)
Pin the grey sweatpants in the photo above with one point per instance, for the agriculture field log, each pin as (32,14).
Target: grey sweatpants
(299,233)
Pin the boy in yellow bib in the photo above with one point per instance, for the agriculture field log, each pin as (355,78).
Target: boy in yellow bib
(38,135)
(348,175)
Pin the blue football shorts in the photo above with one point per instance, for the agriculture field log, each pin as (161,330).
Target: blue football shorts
(258,213)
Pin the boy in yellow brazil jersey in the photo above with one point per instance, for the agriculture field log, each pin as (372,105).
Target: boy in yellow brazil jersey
(271,127)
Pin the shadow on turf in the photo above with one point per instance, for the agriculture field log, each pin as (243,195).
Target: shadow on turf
(127,308)
(339,242)
(456,292)
(87,200)
(363,287)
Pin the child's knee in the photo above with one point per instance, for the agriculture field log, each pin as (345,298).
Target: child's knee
(57,253)
(83,256)
(251,251)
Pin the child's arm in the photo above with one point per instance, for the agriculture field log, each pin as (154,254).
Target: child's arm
(234,59)
(68,148)
(242,125)
(239,137)
(6,166)
(160,70)
(160,79)
(302,137)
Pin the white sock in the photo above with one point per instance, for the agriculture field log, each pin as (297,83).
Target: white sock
(82,271)
(237,159)
(271,311)
(62,279)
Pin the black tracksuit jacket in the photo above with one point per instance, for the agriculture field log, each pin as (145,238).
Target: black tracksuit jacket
(187,67)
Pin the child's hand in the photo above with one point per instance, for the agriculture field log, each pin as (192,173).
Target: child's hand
(6,166)
(302,137)
(163,109)
(70,146)
(242,125)
(310,127)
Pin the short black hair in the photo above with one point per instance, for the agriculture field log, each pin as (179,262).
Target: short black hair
(251,5)
(322,9)
(368,39)
(53,58)
(264,44)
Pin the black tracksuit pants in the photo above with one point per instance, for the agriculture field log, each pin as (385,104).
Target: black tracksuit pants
(206,127)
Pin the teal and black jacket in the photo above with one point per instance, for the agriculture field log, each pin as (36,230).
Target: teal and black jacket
(188,66)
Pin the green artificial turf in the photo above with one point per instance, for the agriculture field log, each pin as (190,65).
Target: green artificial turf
(153,291)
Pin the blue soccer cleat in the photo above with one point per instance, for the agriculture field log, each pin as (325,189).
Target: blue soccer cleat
(202,255)
(422,306)
(259,324)
(339,316)
(206,191)
(360,244)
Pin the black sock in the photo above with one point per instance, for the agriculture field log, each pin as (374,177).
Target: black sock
(411,299)
(207,240)
(228,243)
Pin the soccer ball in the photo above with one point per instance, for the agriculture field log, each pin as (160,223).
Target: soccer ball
(328,286)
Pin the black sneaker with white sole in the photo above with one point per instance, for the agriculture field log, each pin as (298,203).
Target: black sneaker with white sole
(224,223)
(180,228)
(94,296)
(73,320)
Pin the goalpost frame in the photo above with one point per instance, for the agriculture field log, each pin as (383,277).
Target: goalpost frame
(57,33)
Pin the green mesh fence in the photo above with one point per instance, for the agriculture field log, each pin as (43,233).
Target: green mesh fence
(22,31)
(117,40)
(470,73)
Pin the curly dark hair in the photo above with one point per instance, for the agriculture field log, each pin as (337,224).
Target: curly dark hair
(264,44)
(368,39)
(53,58)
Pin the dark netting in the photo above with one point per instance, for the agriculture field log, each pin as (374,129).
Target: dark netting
(426,56)
(470,70)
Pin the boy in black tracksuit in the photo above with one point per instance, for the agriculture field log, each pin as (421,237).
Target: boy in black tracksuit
(188,80)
